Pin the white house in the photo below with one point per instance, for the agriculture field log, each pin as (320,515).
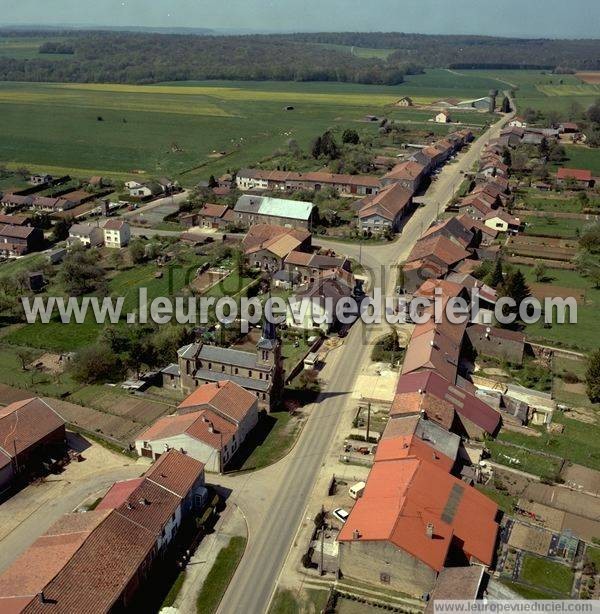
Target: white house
(210,425)
(502,221)
(443,117)
(117,233)
(86,234)
(518,122)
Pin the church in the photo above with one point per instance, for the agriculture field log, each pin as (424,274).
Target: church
(260,372)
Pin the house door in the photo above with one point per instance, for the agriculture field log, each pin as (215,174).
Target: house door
(147,452)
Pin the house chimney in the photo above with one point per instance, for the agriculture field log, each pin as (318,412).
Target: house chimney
(429,530)
(355,534)
(143,501)
(41,597)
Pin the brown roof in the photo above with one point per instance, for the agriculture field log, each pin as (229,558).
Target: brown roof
(406,170)
(98,573)
(226,398)
(16,232)
(176,472)
(24,423)
(43,560)
(263,236)
(212,210)
(150,506)
(451,228)
(114,224)
(14,220)
(437,410)
(440,247)
(388,203)
(435,351)
(456,583)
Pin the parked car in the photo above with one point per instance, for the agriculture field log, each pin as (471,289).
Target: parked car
(340,514)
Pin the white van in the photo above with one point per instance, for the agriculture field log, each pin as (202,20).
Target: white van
(356,491)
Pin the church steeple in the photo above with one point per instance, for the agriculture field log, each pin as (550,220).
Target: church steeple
(268,338)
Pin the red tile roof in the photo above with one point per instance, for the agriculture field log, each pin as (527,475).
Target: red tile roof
(115,224)
(261,236)
(406,171)
(226,398)
(441,248)
(118,494)
(403,497)
(212,210)
(574,173)
(434,351)
(412,403)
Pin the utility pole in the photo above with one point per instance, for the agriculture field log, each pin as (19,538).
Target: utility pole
(368,420)
(321,571)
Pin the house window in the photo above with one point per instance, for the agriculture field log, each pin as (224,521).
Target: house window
(249,373)
(236,370)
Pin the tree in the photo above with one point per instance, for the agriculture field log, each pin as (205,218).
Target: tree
(516,288)
(325,146)
(212,182)
(25,356)
(80,273)
(592,377)
(96,364)
(507,157)
(593,113)
(350,136)
(116,259)
(505,107)
(590,239)
(60,230)
(497,276)
(137,251)
(540,270)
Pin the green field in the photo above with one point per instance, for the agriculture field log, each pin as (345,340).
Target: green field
(583,157)
(547,575)
(543,91)
(190,130)
(553,227)
(581,336)
(27,48)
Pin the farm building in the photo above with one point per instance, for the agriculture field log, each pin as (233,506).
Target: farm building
(19,240)
(443,117)
(578,177)
(386,210)
(32,435)
(267,246)
(406,101)
(250,210)
(98,561)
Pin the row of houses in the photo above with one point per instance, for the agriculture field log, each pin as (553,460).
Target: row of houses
(392,205)
(419,515)
(45,204)
(103,560)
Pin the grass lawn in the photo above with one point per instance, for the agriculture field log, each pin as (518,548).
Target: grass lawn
(270,440)
(291,355)
(284,602)
(533,200)
(578,443)
(530,462)
(526,591)
(563,228)
(581,336)
(10,268)
(169,600)
(504,501)
(583,157)
(12,374)
(566,392)
(593,556)
(547,574)
(220,575)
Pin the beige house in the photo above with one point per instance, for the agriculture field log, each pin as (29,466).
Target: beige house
(210,425)
(117,233)
(443,117)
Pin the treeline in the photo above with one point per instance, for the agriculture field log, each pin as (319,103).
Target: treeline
(52,47)
(437,51)
(132,57)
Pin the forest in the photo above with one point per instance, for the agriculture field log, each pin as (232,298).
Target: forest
(140,58)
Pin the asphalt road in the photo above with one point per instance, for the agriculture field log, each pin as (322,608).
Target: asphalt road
(274,521)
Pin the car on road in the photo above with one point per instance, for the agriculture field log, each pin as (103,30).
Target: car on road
(340,514)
